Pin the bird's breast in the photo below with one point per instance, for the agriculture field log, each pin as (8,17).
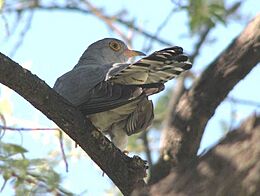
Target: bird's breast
(104,120)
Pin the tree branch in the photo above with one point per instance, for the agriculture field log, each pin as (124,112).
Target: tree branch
(198,105)
(230,168)
(77,8)
(127,173)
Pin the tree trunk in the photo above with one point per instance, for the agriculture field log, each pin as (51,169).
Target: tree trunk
(232,168)
(185,128)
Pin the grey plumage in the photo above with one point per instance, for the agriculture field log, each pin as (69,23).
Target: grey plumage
(114,94)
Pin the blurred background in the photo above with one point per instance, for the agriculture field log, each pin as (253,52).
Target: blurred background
(48,37)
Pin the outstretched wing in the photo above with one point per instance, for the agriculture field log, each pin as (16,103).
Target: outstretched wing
(159,67)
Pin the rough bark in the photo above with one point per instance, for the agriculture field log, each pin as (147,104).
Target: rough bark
(197,105)
(127,173)
(231,168)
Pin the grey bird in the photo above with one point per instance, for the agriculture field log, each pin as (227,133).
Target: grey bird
(112,93)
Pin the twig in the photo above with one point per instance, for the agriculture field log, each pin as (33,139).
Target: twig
(199,44)
(243,101)
(5,24)
(2,118)
(22,34)
(147,148)
(27,129)
(41,129)
(107,20)
(39,178)
(161,26)
(76,8)
(62,151)
(3,186)
(178,91)
(233,113)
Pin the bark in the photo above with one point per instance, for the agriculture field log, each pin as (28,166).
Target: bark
(197,105)
(127,173)
(231,168)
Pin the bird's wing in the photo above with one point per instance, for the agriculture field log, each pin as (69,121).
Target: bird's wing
(76,84)
(86,88)
(141,118)
(159,67)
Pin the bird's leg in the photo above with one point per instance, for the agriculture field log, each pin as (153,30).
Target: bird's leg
(119,138)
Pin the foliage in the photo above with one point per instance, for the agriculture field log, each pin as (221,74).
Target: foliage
(28,176)
(204,14)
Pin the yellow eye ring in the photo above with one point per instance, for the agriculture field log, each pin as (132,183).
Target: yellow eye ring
(114,46)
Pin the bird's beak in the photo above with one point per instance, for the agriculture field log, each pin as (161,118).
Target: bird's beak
(132,53)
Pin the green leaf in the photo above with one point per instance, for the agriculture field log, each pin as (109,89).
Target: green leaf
(38,162)
(206,14)
(11,149)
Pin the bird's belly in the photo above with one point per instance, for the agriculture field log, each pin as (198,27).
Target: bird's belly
(104,120)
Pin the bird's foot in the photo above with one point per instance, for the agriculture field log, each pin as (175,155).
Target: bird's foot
(126,152)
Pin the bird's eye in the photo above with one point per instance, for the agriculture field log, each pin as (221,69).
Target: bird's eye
(114,46)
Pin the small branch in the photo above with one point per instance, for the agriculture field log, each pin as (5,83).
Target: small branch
(27,129)
(97,12)
(29,178)
(147,148)
(243,101)
(22,34)
(2,129)
(63,152)
(42,129)
(6,26)
(159,29)
(3,185)
(77,8)
(199,44)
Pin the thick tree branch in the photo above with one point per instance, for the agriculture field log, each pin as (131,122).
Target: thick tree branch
(127,173)
(198,105)
(231,168)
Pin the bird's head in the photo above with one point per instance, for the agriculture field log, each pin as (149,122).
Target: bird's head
(109,50)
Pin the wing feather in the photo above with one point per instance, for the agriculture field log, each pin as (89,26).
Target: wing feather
(86,88)
(160,66)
